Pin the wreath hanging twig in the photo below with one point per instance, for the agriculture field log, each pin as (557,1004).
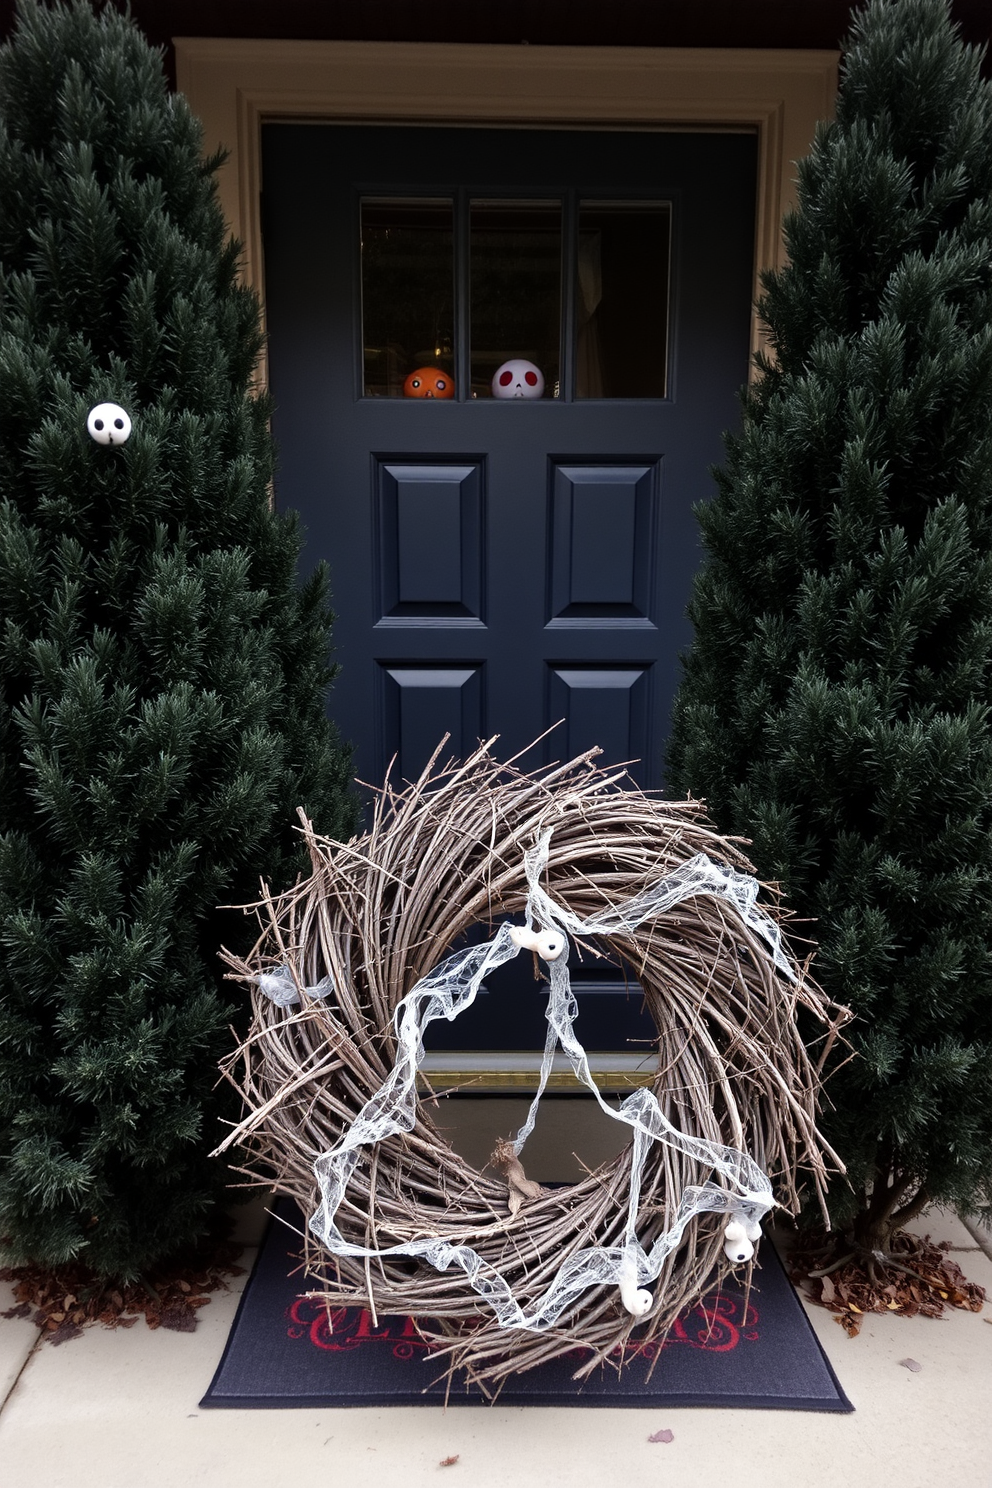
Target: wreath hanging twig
(339,954)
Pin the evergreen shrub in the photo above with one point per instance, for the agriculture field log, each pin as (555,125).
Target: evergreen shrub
(835,705)
(163,676)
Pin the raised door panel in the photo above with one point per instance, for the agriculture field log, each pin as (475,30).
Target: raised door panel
(603,518)
(420,704)
(600,706)
(428,538)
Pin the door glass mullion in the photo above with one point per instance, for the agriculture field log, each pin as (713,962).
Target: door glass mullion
(463,297)
(569,250)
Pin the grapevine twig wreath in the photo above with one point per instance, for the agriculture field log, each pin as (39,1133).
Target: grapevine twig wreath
(355,961)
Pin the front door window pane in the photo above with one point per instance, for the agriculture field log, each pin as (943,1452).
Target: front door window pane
(408,281)
(621,301)
(515,316)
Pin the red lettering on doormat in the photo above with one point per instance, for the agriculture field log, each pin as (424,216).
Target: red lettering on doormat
(717,1324)
(338,1328)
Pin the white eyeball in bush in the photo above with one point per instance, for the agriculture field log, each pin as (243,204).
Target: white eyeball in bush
(107,423)
(518,378)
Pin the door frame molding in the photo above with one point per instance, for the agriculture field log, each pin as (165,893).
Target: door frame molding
(235,85)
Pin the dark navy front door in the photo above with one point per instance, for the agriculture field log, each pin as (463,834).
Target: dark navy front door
(501,563)
(496,564)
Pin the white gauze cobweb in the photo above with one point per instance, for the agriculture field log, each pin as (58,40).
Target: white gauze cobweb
(452,987)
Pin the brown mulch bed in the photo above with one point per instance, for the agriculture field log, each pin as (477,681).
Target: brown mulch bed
(937,1281)
(62,1300)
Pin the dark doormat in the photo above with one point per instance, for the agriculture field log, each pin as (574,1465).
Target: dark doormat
(282,1353)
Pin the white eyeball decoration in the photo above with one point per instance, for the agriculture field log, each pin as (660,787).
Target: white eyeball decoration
(738,1240)
(547,943)
(107,423)
(635,1299)
(518,379)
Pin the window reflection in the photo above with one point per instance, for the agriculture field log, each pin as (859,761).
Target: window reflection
(407,296)
(515,313)
(621,301)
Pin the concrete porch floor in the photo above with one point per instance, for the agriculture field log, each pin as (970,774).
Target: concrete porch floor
(120,1410)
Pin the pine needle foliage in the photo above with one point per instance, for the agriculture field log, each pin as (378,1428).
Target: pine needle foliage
(835,704)
(163,677)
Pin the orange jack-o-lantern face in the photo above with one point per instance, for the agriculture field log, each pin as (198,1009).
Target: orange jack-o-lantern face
(429,382)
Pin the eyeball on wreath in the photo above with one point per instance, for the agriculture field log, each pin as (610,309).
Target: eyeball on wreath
(737,1246)
(546,943)
(637,1300)
(108,423)
(429,382)
(518,378)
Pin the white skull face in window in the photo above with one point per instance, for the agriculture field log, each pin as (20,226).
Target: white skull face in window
(107,423)
(518,379)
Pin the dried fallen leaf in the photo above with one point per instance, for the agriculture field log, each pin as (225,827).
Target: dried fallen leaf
(64,1332)
(911,1364)
(662,1436)
(922,1281)
(179,1319)
(65,1297)
(448,1461)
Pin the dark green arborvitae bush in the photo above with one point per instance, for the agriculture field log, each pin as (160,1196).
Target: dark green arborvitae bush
(162,676)
(835,703)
